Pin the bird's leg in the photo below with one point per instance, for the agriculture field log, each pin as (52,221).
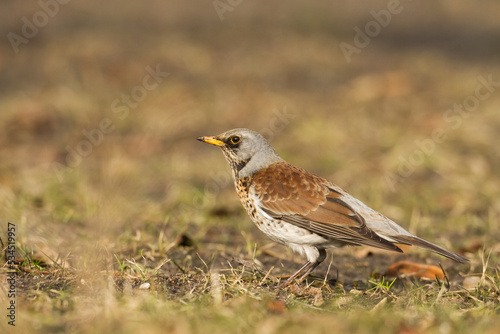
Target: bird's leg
(290,279)
(321,258)
(305,270)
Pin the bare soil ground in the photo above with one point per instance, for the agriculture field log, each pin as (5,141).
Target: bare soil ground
(124,223)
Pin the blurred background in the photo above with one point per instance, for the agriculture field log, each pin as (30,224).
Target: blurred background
(101,102)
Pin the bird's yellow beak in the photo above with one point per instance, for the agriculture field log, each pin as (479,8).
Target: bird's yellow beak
(211,140)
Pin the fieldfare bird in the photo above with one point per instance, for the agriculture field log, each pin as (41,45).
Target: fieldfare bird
(303,211)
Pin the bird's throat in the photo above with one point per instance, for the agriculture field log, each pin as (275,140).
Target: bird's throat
(241,164)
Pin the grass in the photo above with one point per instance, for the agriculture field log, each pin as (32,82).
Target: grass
(147,203)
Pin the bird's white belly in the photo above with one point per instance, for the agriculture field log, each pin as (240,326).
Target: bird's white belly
(286,233)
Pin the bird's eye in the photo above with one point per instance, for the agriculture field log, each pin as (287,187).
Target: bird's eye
(235,140)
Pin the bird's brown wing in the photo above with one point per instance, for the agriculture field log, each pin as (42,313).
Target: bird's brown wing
(298,197)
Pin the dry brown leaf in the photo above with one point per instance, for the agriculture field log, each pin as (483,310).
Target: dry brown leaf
(276,306)
(45,256)
(414,269)
(308,292)
(297,290)
(471,247)
(473,282)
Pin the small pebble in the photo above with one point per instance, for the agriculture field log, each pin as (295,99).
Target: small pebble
(356,292)
(473,282)
(145,286)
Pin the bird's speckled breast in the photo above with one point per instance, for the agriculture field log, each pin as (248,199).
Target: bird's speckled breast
(243,189)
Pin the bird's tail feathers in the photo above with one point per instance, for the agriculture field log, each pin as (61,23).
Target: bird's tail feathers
(416,241)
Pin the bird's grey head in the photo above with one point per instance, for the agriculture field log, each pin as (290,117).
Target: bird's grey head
(245,150)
